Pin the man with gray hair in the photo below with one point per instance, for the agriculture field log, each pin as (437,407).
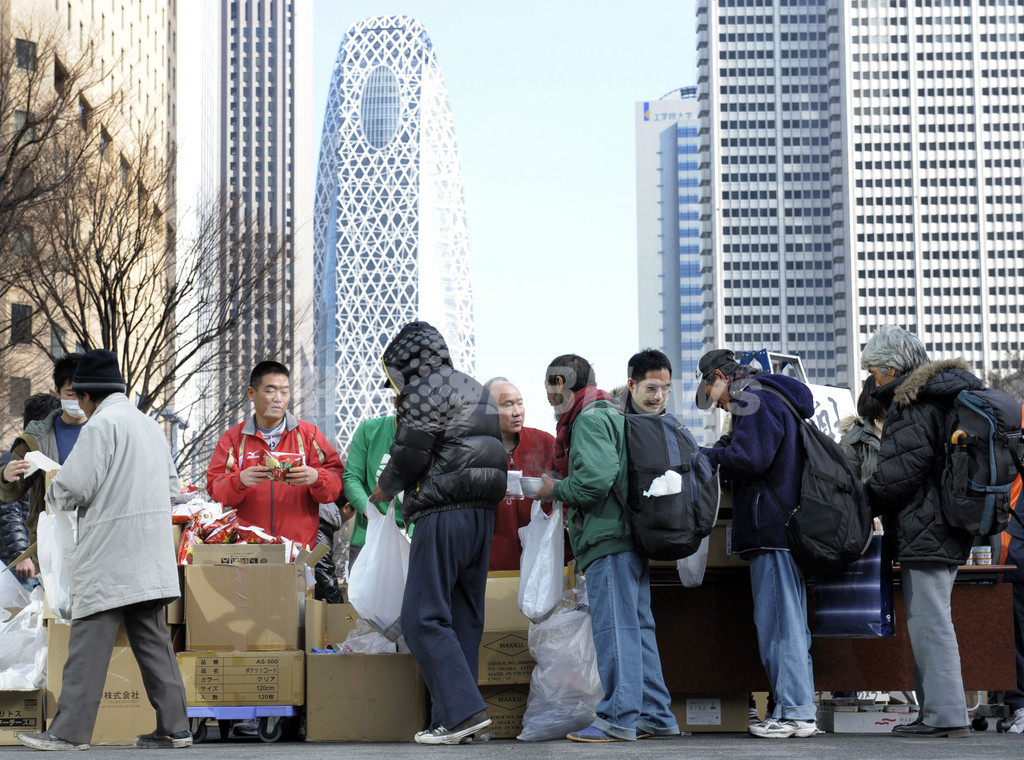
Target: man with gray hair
(531,452)
(904,491)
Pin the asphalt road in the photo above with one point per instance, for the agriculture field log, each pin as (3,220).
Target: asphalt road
(825,747)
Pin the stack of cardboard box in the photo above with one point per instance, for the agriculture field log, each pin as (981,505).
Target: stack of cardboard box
(505,664)
(244,605)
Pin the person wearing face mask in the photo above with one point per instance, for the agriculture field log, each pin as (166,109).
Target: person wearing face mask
(54,436)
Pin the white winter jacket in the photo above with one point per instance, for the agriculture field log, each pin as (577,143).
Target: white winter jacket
(121,478)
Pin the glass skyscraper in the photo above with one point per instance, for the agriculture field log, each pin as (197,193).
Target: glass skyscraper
(390,239)
(669,199)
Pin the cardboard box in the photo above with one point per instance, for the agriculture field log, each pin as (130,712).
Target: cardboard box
(20,712)
(243,678)
(703,713)
(328,624)
(506,705)
(720,547)
(364,698)
(862,722)
(358,697)
(124,711)
(245,554)
(504,649)
(244,607)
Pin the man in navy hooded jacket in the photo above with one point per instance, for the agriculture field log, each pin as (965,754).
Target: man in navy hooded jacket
(449,459)
(763,459)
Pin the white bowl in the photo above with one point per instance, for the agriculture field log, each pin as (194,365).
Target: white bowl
(530,486)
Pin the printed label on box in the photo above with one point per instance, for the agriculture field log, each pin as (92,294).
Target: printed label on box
(704,712)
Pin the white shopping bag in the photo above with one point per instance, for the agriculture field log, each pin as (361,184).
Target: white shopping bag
(377,582)
(691,569)
(540,567)
(57,534)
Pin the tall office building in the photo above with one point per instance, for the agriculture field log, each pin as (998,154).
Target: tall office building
(865,168)
(390,221)
(252,156)
(668,237)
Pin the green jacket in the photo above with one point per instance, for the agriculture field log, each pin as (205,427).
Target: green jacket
(371,441)
(597,461)
(38,436)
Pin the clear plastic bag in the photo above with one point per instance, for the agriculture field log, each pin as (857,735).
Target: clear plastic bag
(377,584)
(366,639)
(57,535)
(565,686)
(540,574)
(691,569)
(23,647)
(12,594)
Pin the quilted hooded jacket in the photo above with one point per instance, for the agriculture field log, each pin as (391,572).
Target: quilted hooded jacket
(448,452)
(904,488)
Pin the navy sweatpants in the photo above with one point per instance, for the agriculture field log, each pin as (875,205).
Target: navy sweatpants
(443,607)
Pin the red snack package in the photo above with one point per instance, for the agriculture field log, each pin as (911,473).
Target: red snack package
(186,549)
(218,530)
(251,534)
(280,462)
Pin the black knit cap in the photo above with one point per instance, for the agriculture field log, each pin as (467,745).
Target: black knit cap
(97,371)
(709,362)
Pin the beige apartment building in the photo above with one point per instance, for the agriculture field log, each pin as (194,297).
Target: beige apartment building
(118,57)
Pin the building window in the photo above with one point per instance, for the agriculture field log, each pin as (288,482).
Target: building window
(19,391)
(25,56)
(56,342)
(21,323)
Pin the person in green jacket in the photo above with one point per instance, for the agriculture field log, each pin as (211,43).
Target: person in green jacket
(367,456)
(590,454)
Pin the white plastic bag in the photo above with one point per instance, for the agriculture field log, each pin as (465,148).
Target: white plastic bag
(540,567)
(378,578)
(12,594)
(364,638)
(565,686)
(23,647)
(691,569)
(57,534)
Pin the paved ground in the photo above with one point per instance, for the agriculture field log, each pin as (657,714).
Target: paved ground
(724,746)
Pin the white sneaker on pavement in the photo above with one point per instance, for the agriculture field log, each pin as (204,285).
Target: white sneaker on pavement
(783,729)
(1017,722)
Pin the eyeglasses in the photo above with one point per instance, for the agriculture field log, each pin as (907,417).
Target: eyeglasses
(656,390)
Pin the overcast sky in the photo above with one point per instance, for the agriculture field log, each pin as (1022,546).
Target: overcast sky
(542,93)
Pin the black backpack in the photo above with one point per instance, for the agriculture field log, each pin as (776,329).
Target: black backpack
(982,441)
(831,526)
(667,527)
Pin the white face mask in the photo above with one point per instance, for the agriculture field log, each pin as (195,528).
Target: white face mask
(72,409)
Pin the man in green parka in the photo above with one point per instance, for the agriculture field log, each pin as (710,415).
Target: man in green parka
(590,454)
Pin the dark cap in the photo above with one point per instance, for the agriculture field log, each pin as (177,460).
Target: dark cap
(97,371)
(709,362)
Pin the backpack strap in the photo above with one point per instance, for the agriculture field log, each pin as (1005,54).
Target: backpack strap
(1020,469)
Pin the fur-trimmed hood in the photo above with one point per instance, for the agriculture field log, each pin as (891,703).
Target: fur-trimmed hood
(937,381)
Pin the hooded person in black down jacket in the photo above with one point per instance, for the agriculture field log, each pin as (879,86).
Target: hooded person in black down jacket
(904,490)
(449,459)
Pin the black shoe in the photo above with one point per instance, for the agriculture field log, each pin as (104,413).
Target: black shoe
(921,729)
(461,734)
(46,740)
(154,740)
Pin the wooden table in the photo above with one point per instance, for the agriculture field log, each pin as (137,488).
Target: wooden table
(707,640)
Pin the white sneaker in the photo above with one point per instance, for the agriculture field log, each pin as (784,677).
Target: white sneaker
(772,729)
(1017,722)
(783,729)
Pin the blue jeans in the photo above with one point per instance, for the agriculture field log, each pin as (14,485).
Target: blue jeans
(443,608)
(635,696)
(1015,556)
(780,614)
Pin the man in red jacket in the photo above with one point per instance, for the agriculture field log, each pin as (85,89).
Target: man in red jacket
(239,477)
(528,450)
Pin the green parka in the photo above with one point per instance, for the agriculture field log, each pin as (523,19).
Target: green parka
(597,461)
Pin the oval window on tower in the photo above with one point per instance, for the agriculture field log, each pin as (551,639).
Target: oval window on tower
(380,107)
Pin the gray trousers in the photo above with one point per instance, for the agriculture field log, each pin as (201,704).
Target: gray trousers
(927,587)
(85,671)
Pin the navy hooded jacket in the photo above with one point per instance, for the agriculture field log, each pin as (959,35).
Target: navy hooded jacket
(763,452)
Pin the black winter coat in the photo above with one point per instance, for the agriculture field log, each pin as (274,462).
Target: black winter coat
(13,523)
(904,488)
(448,452)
